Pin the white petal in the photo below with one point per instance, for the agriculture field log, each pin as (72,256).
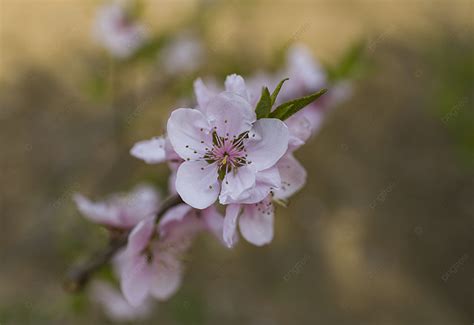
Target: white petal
(189,133)
(256,223)
(197,183)
(293,177)
(268,141)
(236,84)
(230,114)
(151,151)
(230,224)
(235,183)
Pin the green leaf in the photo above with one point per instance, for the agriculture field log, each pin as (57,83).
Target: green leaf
(264,105)
(277,90)
(287,109)
(350,64)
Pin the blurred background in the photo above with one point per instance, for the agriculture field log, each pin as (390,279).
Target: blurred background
(382,232)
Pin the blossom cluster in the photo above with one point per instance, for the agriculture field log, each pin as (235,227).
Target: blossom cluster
(230,163)
(122,34)
(118,30)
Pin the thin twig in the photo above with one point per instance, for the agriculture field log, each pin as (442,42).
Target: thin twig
(78,276)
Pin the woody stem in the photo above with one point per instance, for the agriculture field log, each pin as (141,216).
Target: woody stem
(79,275)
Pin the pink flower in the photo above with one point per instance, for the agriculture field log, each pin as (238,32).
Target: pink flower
(116,308)
(117,31)
(155,151)
(205,93)
(121,210)
(228,153)
(305,73)
(256,220)
(307,76)
(183,55)
(151,263)
(257,81)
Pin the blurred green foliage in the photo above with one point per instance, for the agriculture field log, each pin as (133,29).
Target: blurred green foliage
(452,59)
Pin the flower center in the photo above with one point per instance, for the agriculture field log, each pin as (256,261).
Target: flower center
(229,154)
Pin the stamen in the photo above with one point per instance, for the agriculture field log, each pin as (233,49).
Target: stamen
(229,154)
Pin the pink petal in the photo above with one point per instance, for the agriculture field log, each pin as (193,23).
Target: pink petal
(135,280)
(293,177)
(173,215)
(268,141)
(266,181)
(102,212)
(114,304)
(121,37)
(203,94)
(178,236)
(151,151)
(230,224)
(174,160)
(214,222)
(256,223)
(339,93)
(304,71)
(189,133)
(230,114)
(120,261)
(270,177)
(197,183)
(300,130)
(167,276)
(236,84)
(140,236)
(137,205)
(257,81)
(172,182)
(314,114)
(122,210)
(235,183)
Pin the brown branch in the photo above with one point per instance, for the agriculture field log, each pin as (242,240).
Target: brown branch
(78,276)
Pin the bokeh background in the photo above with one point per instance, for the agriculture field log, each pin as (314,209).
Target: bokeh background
(388,208)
